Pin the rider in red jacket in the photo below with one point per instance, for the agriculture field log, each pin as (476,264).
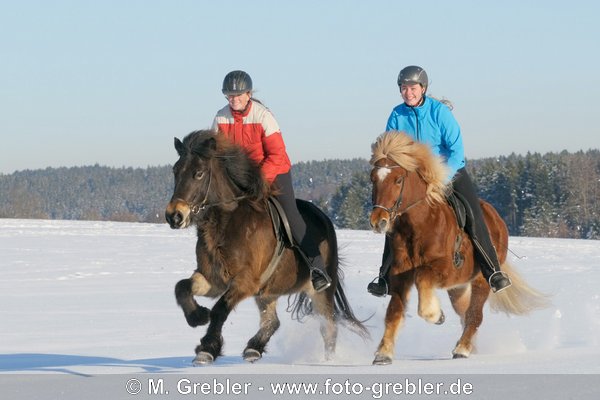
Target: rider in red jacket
(254,128)
(248,123)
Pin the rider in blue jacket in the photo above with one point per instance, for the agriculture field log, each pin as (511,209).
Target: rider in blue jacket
(431,121)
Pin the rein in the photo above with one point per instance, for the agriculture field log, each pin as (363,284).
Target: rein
(393,211)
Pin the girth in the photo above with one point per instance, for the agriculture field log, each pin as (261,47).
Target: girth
(283,234)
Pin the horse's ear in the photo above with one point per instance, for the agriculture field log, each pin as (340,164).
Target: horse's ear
(179,147)
(211,144)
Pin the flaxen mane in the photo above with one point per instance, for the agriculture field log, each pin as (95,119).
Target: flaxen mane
(413,156)
(431,250)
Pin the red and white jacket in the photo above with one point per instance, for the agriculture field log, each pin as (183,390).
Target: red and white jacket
(258,132)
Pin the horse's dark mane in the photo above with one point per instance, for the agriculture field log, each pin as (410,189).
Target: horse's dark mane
(244,172)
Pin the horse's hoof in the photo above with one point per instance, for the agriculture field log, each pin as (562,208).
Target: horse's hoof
(252,355)
(459,355)
(442,318)
(195,322)
(198,317)
(203,358)
(382,360)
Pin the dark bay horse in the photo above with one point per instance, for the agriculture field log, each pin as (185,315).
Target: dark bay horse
(222,192)
(409,205)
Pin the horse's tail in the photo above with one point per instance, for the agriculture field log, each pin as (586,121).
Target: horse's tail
(519,298)
(300,306)
(346,315)
(342,309)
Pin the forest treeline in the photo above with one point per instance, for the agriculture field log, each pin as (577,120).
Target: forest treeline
(549,195)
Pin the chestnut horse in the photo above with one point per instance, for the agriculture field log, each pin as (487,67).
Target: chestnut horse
(222,192)
(410,206)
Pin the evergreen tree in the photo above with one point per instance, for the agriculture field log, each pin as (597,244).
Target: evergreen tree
(351,205)
(553,194)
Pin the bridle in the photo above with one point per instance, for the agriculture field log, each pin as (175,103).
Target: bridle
(394,210)
(196,207)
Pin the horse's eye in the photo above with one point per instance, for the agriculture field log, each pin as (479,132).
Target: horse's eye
(198,175)
(399,180)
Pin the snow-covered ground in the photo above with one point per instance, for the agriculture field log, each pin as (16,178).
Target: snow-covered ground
(96,298)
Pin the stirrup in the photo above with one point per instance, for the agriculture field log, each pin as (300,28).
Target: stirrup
(378,287)
(320,280)
(499,281)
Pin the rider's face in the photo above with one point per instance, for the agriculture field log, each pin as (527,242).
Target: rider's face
(238,102)
(412,94)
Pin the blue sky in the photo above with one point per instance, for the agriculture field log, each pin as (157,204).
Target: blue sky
(112,82)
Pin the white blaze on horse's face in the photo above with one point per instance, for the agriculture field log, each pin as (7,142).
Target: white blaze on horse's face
(382,173)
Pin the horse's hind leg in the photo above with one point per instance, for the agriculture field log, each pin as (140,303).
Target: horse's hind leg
(185,290)
(473,317)
(460,298)
(324,307)
(269,323)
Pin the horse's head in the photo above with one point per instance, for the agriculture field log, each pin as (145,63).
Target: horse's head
(405,173)
(210,172)
(192,178)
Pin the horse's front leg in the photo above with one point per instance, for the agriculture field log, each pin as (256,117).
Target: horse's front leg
(212,343)
(429,307)
(185,290)
(394,317)
(269,323)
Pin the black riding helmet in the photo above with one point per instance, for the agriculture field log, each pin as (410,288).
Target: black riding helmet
(413,74)
(236,82)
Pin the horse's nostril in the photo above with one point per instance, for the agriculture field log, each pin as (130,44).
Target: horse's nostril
(174,219)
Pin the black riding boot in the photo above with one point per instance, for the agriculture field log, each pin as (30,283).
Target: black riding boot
(306,246)
(379,286)
(309,250)
(488,259)
(490,268)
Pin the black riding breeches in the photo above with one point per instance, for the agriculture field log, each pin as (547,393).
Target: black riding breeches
(285,196)
(489,261)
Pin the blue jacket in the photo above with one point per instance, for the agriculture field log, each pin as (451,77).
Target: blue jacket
(436,127)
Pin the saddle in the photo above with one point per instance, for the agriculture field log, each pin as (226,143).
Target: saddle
(465,220)
(459,205)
